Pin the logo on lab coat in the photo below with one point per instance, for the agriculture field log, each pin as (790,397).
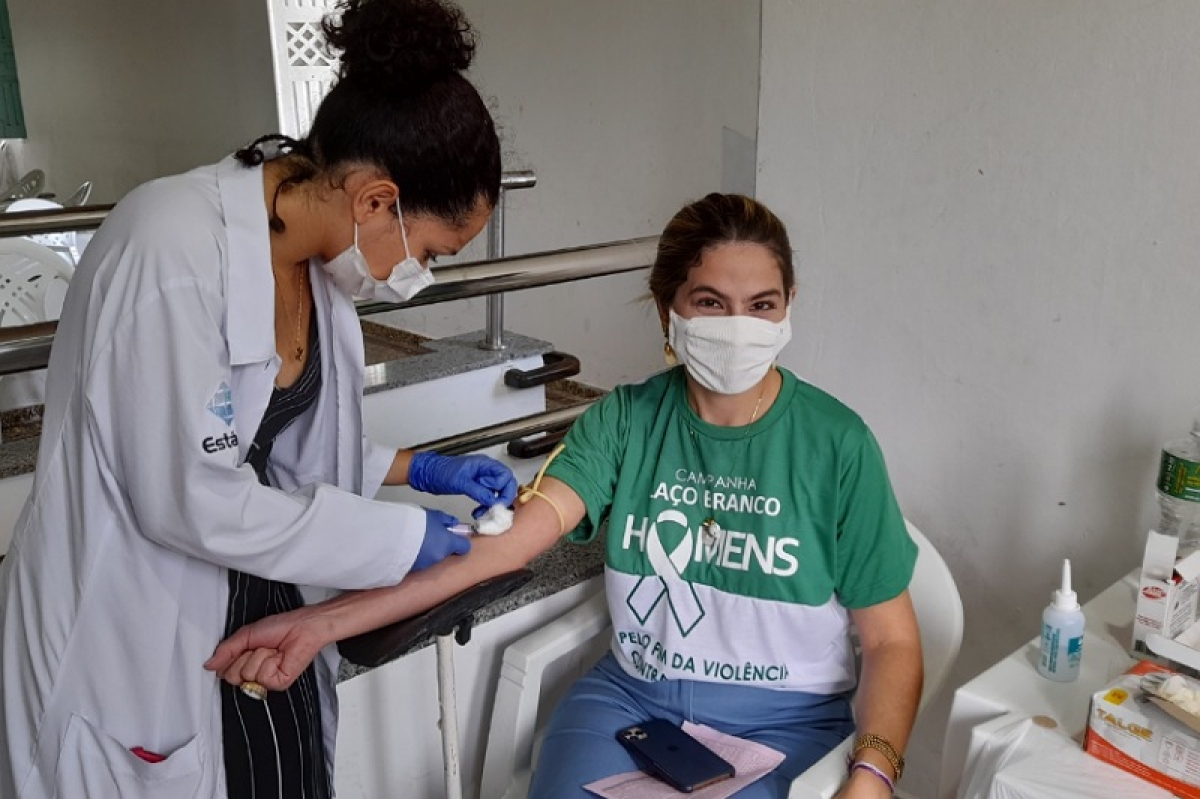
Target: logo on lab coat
(221,404)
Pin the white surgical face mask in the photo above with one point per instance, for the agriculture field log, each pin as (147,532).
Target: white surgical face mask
(351,274)
(727,354)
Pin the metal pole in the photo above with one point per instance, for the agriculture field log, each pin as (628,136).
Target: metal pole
(449,714)
(493,338)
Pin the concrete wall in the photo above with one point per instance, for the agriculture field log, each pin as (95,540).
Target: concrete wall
(121,91)
(994,206)
(626,110)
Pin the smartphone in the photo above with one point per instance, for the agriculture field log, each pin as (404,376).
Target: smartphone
(664,750)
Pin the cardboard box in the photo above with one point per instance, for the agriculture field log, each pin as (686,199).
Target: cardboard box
(1146,736)
(1167,596)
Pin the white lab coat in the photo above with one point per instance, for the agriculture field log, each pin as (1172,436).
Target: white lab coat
(115,589)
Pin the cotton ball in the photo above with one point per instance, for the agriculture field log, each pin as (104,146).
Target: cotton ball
(497,520)
(1174,689)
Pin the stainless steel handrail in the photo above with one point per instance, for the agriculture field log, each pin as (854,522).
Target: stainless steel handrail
(527,272)
(28,347)
(25,347)
(89,217)
(53,220)
(504,432)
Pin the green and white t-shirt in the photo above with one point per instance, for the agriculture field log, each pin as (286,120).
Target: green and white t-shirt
(734,552)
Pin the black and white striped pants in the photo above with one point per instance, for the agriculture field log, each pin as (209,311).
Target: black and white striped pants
(274,749)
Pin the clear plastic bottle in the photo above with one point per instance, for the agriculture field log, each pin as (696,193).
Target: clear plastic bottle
(1179,489)
(1062,633)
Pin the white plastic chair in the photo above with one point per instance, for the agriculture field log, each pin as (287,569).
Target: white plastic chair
(33,282)
(514,735)
(33,285)
(65,244)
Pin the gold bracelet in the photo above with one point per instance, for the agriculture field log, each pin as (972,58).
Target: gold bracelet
(869,740)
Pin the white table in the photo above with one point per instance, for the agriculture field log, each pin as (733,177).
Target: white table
(1013,686)
(1020,757)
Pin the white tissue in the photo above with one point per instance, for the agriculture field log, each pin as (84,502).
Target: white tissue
(1177,691)
(497,520)
(1174,689)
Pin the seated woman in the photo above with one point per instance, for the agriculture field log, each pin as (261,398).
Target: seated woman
(750,522)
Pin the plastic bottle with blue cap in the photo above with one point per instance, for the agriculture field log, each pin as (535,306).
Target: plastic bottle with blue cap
(1062,633)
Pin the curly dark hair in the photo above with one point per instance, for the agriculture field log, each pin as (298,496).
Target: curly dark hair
(402,105)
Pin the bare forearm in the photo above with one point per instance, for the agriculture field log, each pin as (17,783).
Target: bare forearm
(397,475)
(885,705)
(354,613)
(889,689)
(889,692)
(536,528)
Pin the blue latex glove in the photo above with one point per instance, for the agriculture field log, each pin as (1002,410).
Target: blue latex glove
(439,543)
(483,479)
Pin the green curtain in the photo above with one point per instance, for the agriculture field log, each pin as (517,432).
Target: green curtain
(12,118)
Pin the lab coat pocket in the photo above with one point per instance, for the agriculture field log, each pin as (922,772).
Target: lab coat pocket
(93,763)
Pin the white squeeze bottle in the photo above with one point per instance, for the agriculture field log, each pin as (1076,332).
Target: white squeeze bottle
(1062,633)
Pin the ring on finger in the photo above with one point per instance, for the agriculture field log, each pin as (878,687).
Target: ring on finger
(254,690)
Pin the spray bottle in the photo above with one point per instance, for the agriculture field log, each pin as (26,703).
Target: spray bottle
(1062,633)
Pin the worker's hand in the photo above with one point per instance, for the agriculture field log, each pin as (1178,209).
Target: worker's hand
(483,479)
(272,652)
(439,543)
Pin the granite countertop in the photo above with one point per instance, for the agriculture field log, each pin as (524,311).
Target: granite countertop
(398,358)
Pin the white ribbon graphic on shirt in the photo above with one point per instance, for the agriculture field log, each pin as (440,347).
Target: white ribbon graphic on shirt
(681,595)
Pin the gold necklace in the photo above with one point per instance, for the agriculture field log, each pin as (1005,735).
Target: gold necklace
(710,528)
(300,285)
(758,404)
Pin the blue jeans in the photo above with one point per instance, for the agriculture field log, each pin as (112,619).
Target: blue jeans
(581,746)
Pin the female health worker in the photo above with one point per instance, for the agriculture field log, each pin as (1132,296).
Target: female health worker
(202,461)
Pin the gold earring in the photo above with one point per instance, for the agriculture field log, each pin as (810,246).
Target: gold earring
(669,354)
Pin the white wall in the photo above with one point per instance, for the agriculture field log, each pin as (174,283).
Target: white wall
(994,205)
(626,110)
(121,91)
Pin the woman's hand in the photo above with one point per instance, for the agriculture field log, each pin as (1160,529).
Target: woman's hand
(272,652)
(483,479)
(439,543)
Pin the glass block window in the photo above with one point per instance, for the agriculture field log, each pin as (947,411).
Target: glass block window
(304,70)
(12,118)
(306,46)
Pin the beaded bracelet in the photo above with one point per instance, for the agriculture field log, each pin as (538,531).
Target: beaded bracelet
(865,766)
(870,740)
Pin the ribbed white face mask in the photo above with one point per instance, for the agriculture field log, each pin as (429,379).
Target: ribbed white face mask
(351,274)
(727,354)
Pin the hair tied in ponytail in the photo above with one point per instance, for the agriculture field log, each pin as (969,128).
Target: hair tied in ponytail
(269,147)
